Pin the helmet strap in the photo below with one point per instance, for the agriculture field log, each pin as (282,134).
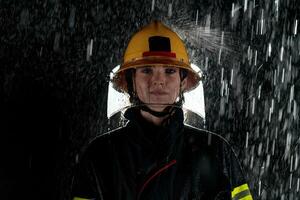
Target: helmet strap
(163,113)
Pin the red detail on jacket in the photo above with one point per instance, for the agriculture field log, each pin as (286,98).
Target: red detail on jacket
(164,168)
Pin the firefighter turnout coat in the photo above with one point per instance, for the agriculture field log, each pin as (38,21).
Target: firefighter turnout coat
(144,161)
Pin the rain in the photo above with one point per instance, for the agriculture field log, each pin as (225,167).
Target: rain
(56,57)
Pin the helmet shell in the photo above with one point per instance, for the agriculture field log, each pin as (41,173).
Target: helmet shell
(155,45)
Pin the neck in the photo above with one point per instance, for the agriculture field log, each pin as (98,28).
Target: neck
(153,119)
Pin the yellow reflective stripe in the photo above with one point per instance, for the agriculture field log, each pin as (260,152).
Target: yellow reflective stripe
(249,197)
(78,198)
(241,193)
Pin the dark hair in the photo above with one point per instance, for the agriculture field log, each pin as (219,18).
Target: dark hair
(129,73)
(183,73)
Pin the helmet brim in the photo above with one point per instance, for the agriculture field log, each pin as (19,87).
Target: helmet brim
(120,83)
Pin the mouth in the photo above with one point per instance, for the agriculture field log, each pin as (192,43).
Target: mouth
(158,92)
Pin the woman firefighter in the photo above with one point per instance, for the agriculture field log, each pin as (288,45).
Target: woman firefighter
(156,156)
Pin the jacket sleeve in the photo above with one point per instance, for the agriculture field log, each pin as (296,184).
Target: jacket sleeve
(85,185)
(239,186)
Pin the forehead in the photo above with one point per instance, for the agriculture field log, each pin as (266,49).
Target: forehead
(157,67)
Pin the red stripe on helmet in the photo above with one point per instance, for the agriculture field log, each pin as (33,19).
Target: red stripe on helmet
(159,53)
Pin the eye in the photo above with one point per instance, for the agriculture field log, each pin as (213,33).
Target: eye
(170,70)
(146,70)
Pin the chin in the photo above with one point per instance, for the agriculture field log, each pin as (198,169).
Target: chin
(157,108)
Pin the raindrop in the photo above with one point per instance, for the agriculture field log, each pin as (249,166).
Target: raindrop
(247,138)
(207,24)
(170,10)
(245,5)
(262,22)
(251,162)
(259,149)
(56,42)
(281,53)
(295,27)
(41,51)
(152,6)
(282,77)
(250,10)
(272,106)
(278,96)
(253,105)
(255,58)
(296,161)
(222,88)
(231,77)
(232,10)
(268,161)
(206,63)
(197,17)
(222,73)
(290,64)
(76,158)
(280,115)
(219,57)
(222,38)
(226,89)
(295,110)
(291,180)
(292,93)
(249,52)
(89,50)
(270,114)
(259,92)
(269,49)
(277,8)
(298,184)
(259,188)
(291,165)
(287,145)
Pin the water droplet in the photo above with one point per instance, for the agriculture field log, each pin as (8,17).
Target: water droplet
(170,10)
(245,5)
(152,5)
(197,13)
(295,27)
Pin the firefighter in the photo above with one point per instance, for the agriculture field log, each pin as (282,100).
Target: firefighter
(156,156)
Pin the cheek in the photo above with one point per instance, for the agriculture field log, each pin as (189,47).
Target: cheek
(142,89)
(174,86)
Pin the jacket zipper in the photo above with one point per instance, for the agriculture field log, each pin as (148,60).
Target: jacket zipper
(158,172)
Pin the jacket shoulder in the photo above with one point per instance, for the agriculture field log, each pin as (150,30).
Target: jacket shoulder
(103,142)
(202,136)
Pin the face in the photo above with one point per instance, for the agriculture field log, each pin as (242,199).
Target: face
(158,86)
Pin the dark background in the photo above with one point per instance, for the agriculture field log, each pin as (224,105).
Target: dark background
(53,96)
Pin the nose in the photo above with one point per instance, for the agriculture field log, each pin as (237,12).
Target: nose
(158,78)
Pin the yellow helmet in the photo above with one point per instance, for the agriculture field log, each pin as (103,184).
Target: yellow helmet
(155,44)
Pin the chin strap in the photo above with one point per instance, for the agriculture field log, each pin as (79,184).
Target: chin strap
(163,113)
(167,111)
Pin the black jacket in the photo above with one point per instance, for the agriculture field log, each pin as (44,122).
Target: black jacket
(144,161)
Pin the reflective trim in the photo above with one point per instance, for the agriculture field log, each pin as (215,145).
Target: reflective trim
(241,193)
(79,198)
